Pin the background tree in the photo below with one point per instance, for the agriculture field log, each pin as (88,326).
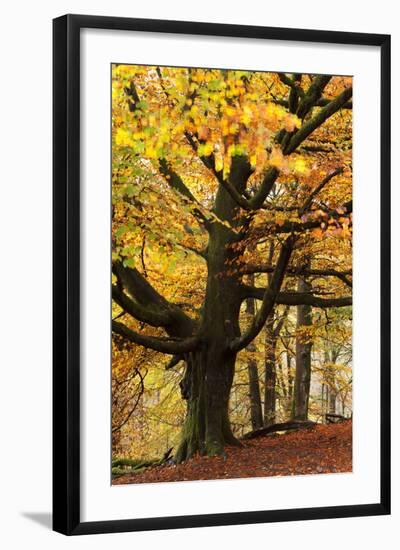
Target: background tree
(254,383)
(303,355)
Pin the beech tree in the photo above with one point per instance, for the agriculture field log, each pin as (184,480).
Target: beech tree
(210,168)
(303,356)
(256,413)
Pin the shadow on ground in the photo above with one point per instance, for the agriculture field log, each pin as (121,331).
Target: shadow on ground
(42,518)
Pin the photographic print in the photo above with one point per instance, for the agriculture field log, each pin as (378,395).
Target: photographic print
(221,322)
(231,274)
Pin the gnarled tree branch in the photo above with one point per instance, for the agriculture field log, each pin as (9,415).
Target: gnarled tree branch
(313,94)
(295,272)
(265,188)
(326,112)
(320,103)
(176,182)
(269,297)
(154,317)
(170,346)
(296,298)
(149,304)
(319,188)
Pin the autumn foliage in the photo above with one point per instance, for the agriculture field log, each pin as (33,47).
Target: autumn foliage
(232,265)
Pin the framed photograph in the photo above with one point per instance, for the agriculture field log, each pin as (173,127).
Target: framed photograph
(221,274)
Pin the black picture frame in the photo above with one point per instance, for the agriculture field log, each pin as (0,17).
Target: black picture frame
(66,273)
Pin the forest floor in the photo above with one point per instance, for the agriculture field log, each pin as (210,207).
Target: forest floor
(321,449)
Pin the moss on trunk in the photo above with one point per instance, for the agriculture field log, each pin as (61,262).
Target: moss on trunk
(210,370)
(207,427)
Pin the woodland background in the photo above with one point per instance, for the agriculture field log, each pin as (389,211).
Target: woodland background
(26,504)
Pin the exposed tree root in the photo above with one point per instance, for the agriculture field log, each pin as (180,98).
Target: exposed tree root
(282,427)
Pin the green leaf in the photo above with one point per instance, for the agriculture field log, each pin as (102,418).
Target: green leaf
(121,231)
(141,105)
(129,262)
(131,190)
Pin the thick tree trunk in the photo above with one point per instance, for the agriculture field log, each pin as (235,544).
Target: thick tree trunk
(303,357)
(206,387)
(270,374)
(210,370)
(209,376)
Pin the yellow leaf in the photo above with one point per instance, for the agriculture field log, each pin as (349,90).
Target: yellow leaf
(219,162)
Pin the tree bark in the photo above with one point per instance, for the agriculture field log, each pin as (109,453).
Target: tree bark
(254,385)
(254,394)
(332,401)
(303,357)
(206,387)
(270,374)
(290,378)
(210,370)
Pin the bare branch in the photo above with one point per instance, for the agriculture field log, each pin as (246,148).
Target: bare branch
(319,188)
(301,209)
(138,396)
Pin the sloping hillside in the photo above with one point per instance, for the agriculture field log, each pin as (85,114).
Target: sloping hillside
(318,450)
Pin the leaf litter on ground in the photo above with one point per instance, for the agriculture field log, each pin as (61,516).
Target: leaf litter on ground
(321,449)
